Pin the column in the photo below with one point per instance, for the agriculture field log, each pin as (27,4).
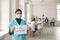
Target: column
(0,15)
(4,15)
(12,9)
(29,11)
(17,4)
(22,7)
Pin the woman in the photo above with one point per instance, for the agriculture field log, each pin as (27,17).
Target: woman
(39,24)
(52,23)
(17,21)
(33,26)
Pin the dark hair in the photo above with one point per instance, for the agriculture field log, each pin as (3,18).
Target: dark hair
(46,17)
(33,19)
(40,18)
(18,10)
(43,15)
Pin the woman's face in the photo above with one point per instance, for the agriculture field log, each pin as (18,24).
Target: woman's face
(18,14)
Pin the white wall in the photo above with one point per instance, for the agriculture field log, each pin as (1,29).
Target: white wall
(46,7)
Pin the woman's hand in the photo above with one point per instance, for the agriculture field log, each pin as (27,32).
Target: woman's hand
(12,29)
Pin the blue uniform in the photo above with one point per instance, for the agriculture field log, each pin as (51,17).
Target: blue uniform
(20,36)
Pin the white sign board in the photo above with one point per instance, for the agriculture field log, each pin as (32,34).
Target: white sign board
(20,29)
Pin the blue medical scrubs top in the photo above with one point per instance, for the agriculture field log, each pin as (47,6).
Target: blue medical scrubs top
(20,36)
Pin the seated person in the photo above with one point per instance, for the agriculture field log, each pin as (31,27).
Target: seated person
(46,21)
(33,26)
(39,24)
(43,22)
(52,23)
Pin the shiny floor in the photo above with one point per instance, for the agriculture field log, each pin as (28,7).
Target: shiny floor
(48,33)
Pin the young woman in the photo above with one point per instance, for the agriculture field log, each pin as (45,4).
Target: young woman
(17,21)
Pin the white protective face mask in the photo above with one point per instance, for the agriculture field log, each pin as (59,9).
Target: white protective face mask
(18,16)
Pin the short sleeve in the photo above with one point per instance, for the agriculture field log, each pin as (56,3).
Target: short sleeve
(10,24)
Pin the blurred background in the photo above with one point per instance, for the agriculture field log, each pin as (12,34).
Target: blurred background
(31,9)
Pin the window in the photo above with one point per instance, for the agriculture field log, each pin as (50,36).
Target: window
(58,12)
